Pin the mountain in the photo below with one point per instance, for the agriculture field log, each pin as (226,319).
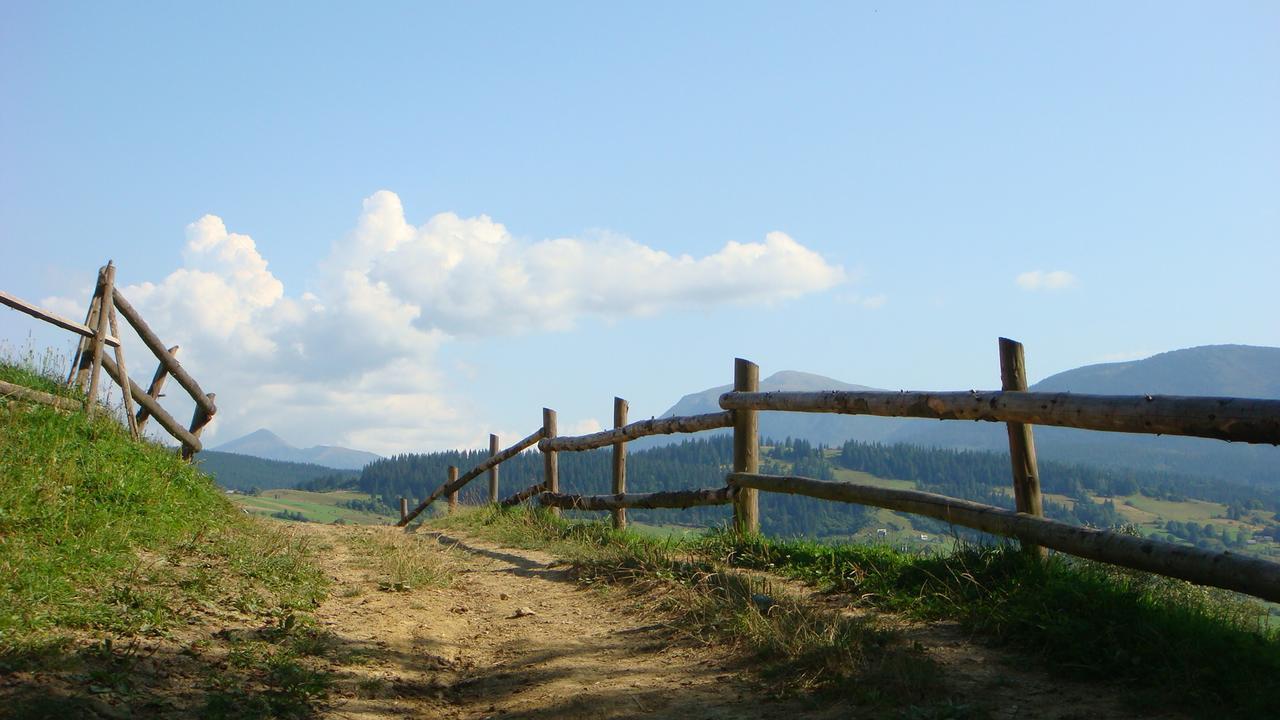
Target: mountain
(242,472)
(266,444)
(1228,370)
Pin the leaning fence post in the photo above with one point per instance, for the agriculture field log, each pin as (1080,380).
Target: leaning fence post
(619,461)
(404,509)
(124,387)
(99,334)
(78,363)
(453,496)
(1022,447)
(550,464)
(157,383)
(493,471)
(746,448)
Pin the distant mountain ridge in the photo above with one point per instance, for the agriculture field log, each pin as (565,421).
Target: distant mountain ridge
(1222,370)
(263,443)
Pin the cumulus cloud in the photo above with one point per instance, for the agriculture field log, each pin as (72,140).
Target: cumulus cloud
(1041,280)
(352,360)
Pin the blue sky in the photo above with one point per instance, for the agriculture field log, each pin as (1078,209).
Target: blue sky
(1097,180)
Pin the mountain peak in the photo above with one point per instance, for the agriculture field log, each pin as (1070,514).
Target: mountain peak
(263,443)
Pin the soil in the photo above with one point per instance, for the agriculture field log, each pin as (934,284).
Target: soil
(515,635)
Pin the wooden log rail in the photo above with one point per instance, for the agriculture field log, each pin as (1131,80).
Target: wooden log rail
(1224,569)
(670,499)
(472,474)
(40,313)
(643,428)
(1223,418)
(25,393)
(191,443)
(524,494)
(152,341)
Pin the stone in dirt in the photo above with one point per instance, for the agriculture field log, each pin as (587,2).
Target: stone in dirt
(523,612)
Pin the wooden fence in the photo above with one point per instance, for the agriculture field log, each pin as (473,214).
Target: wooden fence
(1222,418)
(90,358)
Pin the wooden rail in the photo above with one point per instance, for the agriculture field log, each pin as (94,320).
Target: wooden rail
(21,392)
(52,318)
(472,474)
(1223,418)
(621,501)
(1224,569)
(99,331)
(170,362)
(643,428)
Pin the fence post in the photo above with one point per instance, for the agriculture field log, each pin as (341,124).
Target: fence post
(746,448)
(619,462)
(453,496)
(79,362)
(404,509)
(493,471)
(157,383)
(1022,447)
(128,397)
(550,464)
(99,333)
(199,419)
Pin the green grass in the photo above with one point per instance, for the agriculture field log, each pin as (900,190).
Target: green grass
(1177,645)
(108,545)
(315,507)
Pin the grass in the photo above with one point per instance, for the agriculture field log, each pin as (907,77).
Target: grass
(107,544)
(402,563)
(1177,645)
(316,507)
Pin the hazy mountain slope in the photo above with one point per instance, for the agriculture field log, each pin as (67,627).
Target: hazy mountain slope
(265,444)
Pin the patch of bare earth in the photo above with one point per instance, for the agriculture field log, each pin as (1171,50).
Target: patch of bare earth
(471,650)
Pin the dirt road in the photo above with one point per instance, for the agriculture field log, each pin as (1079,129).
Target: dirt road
(471,651)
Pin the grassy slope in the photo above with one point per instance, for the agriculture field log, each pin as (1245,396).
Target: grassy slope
(106,543)
(1178,646)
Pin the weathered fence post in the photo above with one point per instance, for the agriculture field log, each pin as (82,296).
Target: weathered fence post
(80,363)
(619,461)
(550,464)
(199,419)
(746,448)
(124,388)
(453,496)
(1022,447)
(404,509)
(493,471)
(99,334)
(153,390)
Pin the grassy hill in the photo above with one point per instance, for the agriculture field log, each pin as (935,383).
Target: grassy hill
(109,549)
(341,506)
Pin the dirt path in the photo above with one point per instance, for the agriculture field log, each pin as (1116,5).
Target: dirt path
(467,651)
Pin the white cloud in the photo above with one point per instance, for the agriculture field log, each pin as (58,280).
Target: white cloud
(1040,280)
(352,361)
(583,427)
